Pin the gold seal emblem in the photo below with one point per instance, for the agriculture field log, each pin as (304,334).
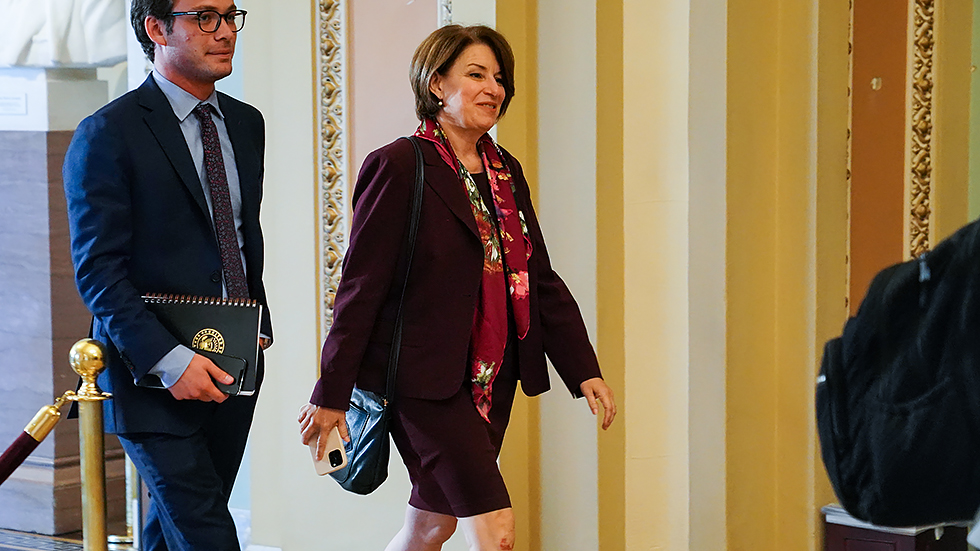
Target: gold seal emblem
(210,340)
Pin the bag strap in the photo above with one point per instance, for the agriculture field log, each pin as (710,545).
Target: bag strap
(413,229)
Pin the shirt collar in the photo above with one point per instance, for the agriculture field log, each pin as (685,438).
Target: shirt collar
(182,101)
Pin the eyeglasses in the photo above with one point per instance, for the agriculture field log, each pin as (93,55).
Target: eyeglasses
(210,20)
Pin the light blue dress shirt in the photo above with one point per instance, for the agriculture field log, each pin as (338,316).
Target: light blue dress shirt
(172,366)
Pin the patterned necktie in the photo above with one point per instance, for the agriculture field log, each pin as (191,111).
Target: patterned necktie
(224,218)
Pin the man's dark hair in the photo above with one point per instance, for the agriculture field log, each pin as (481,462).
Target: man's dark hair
(160,9)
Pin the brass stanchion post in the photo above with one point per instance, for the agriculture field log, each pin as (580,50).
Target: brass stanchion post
(87,358)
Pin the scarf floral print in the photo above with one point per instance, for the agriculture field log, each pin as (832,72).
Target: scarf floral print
(504,261)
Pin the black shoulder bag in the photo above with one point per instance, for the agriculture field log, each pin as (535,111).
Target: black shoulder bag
(368,416)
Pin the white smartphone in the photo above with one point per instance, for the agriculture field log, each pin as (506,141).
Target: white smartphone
(334,457)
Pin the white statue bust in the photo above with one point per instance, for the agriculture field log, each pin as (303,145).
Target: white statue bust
(62,33)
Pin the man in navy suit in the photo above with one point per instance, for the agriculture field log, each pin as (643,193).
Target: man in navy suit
(163,188)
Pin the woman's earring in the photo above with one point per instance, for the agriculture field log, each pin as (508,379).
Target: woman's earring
(440,103)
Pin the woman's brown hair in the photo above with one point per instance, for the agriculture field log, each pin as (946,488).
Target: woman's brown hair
(439,51)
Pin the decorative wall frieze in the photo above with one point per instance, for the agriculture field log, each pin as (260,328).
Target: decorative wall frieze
(920,117)
(331,151)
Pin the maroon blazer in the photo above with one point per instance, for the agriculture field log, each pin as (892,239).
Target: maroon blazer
(442,292)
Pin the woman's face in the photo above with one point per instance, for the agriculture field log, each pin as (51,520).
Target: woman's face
(471,91)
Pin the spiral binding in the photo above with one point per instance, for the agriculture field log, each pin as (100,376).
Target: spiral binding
(162,298)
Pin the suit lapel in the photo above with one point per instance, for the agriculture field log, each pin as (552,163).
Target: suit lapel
(165,127)
(445,182)
(246,158)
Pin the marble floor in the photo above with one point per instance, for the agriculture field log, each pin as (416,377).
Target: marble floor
(21,541)
(11,540)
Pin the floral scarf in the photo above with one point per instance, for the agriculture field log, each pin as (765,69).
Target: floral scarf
(504,274)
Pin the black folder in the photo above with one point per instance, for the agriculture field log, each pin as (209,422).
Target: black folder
(216,326)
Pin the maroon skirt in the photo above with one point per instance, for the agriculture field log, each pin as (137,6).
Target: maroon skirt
(451,452)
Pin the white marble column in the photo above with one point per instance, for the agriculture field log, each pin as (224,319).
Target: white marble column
(41,315)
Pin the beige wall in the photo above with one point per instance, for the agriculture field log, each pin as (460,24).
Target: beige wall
(475,12)
(382,37)
(278,80)
(703,263)
(292,508)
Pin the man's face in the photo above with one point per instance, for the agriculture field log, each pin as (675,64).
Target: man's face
(192,56)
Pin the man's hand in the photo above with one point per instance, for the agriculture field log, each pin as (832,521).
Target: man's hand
(597,392)
(315,421)
(196,383)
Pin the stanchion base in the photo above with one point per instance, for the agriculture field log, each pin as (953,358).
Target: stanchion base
(120,543)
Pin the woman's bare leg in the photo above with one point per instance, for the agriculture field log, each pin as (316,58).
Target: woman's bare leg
(423,531)
(493,531)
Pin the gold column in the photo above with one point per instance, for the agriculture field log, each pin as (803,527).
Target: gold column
(610,267)
(87,358)
(950,129)
(520,457)
(786,275)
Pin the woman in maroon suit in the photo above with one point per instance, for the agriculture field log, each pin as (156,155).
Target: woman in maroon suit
(482,305)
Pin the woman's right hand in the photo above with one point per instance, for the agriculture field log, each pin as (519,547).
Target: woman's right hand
(315,420)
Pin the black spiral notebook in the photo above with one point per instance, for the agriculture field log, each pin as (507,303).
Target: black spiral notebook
(226,330)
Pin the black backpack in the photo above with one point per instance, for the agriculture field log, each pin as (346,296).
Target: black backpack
(898,396)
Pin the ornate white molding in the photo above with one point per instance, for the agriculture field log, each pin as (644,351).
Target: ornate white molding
(331,150)
(445,12)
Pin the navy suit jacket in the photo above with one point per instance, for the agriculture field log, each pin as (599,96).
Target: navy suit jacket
(140,224)
(442,293)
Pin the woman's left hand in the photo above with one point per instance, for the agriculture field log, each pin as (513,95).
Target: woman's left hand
(596,391)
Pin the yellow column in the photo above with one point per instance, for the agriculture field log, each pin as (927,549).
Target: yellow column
(610,294)
(787,198)
(518,130)
(830,232)
(951,131)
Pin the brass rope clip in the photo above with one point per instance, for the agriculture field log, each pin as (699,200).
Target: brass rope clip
(47,417)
